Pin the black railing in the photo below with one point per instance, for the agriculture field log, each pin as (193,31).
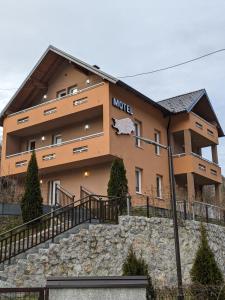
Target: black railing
(24,294)
(48,226)
(62,196)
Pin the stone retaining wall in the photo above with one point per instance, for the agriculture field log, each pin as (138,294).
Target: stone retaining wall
(102,249)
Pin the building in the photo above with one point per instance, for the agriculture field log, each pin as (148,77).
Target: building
(65,111)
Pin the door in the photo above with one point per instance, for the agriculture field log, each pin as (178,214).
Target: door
(54,196)
(31,145)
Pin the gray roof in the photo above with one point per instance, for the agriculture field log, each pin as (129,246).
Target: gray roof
(183,102)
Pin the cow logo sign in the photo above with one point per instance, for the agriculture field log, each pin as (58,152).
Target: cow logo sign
(124,126)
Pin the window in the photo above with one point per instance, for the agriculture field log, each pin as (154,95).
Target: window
(57,139)
(23,120)
(48,156)
(61,93)
(31,145)
(73,90)
(80,149)
(137,126)
(138,177)
(50,111)
(21,163)
(157,140)
(80,101)
(159,186)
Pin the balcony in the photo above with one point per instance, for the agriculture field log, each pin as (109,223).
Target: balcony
(86,98)
(197,124)
(193,163)
(68,153)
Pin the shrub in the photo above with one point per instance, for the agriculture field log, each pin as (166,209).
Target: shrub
(118,185)
(31,203)
(134,266)
(205,272)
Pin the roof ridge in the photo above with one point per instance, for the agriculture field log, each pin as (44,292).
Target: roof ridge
(181,95)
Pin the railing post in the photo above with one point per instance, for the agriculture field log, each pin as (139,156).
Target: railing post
(207,213)
(193,211)
(53,225)
(148,214)
(128,205)
(90,214)
(185,210)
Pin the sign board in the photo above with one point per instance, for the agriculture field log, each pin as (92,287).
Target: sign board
(122,106)
(124,126)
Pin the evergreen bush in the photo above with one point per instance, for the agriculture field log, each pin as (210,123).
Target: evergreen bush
(31,203)
(134,266)
(205,273)
(118,185)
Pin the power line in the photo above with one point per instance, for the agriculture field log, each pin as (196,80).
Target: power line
(173,66)
(11,89)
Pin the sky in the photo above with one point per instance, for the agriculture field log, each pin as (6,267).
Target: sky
(123,37)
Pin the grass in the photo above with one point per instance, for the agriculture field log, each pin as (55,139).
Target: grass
(9,222)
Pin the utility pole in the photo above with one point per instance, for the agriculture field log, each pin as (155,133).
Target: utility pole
(174,209)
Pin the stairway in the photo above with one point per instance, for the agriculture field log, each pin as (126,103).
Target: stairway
(52,227)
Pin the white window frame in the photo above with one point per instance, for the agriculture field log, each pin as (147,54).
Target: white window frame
(137,125)
(157,138)
(29,145)
(59,93)
(72,90)
(159,186)
(55,137)
(138,180)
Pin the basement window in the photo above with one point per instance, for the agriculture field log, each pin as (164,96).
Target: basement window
(80,149)
(159,186)
(49,156)
(23,120)
(138,179)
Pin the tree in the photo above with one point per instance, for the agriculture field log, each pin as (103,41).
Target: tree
(31,203)
(134,266)
(205,272)
(118,185)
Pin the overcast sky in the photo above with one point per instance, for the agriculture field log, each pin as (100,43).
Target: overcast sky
(122,37)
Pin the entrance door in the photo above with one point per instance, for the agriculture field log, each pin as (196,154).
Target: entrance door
(54,196)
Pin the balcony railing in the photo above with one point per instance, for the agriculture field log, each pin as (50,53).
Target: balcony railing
(86,137)
(196,155)
(81,90)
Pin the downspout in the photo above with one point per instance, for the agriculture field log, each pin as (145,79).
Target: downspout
(169,144)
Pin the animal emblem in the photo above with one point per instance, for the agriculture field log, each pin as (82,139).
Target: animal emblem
(124,126)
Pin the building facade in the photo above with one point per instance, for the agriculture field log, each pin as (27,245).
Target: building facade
(66,111)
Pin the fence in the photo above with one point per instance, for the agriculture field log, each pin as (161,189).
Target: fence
(23,294)
(198,211)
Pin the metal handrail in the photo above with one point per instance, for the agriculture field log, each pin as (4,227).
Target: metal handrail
(86,137)
(30,234)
